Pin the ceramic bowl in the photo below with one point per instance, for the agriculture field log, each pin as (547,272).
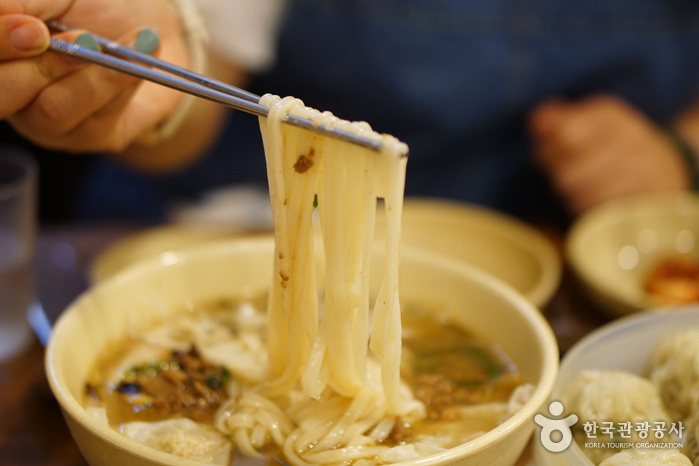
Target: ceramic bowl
(160,286)
(614,247)
(495,242)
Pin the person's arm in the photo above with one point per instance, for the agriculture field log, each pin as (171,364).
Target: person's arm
(601,148)
(62,103)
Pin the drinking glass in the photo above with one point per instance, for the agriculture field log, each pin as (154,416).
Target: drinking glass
(18,212)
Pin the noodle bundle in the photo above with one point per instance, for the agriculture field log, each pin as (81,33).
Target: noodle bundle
(336,379)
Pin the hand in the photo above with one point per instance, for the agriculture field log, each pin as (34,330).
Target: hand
(601,148)
(63,103)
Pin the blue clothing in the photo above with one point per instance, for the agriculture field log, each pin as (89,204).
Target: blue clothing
(455,79)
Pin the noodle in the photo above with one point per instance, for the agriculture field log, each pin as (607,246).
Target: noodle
(348,181)
(329,354)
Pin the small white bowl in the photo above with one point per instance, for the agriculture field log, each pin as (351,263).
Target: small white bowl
(622,345)
(163,285)
(614,247)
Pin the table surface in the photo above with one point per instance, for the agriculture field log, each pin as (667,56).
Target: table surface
(32,429)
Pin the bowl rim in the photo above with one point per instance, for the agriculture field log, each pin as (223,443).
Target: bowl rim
(627,324)
(540,328)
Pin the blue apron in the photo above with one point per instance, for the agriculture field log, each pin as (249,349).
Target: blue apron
(455,79)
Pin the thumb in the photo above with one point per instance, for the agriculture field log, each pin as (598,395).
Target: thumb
(22,36)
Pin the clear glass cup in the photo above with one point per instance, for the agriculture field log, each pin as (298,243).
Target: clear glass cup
(18,220)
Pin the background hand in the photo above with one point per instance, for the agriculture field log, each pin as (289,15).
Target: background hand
(601,148)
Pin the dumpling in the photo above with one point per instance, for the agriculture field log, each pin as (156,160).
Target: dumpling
(691,437)
(674,369)
(181,437)
(612,397)
(647,457)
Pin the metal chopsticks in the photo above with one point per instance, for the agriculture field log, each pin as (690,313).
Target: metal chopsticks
(117,56)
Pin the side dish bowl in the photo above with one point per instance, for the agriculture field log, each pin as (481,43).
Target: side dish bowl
(614,247)
(159,287)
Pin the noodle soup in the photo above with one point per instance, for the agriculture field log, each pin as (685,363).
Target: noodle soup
(322,371)
(188,376)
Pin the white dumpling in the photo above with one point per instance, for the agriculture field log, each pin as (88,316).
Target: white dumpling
(691,437)
(647,457)
(611,396)
(181,437)
(674,369)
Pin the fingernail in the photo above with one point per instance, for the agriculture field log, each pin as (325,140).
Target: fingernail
(147,41)
(29,36)
(88,41)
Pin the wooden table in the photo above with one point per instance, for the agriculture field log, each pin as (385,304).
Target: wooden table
(32,430)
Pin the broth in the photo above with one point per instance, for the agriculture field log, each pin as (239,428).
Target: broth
(463,381)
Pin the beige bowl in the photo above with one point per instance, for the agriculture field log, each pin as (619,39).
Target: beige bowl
(614,247)
(497,243)
(494,242)
(623,345)
(161,286)
(150,243)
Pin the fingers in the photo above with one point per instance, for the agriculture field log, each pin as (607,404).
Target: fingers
(53,98)
(572,143)
(22,36)
(102,130)
(60,107)
(547,116)
(112,128)
(563,130)
(22,80)
(43,9)
(588,181)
